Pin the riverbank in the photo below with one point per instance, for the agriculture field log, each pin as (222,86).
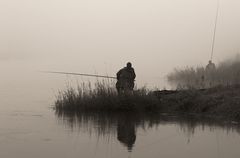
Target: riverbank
(221,101)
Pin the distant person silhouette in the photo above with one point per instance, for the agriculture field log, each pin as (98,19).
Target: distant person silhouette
(125,79)
(210,66)
(210,74)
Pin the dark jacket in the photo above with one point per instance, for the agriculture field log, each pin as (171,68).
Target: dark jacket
(126,74)
(125,79)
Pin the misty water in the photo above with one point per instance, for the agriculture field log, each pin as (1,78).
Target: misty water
(99,37)
(30,127)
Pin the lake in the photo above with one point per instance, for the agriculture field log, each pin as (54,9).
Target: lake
(30,127)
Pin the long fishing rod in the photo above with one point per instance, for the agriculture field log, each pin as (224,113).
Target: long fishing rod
(78,74)
(215,28)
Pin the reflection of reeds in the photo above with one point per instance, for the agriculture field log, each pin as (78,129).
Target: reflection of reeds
(187,78)
(226,73)
(103,96)
(107,124)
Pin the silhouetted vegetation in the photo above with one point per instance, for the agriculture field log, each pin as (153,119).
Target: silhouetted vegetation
(219,101)
(103,96)
(212,93)
(226,73)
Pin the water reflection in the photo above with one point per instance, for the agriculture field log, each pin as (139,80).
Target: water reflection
(126,131)
(123,126)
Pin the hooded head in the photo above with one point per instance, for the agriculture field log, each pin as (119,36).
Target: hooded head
(129,65)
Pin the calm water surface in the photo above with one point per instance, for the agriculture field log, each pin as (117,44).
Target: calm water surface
(29,127)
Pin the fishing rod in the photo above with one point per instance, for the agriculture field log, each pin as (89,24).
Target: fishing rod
(78,74)
(215,28)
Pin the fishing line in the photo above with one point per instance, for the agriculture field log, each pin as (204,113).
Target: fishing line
(215,28)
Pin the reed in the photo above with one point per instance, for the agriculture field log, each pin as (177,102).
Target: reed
(227,73)
(220,101)
(103,96)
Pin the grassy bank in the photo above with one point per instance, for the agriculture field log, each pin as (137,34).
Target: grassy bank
(103,96)
(227,73)
(221,101)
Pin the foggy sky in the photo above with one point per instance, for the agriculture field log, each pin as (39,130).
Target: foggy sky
(91,36)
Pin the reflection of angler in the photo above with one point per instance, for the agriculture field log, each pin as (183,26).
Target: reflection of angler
(126,133)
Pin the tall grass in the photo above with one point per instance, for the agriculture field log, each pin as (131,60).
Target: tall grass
(103,96)
(227,73)
(219,101)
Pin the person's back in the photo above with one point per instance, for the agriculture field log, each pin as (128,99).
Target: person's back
(125,77)
(211,66)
